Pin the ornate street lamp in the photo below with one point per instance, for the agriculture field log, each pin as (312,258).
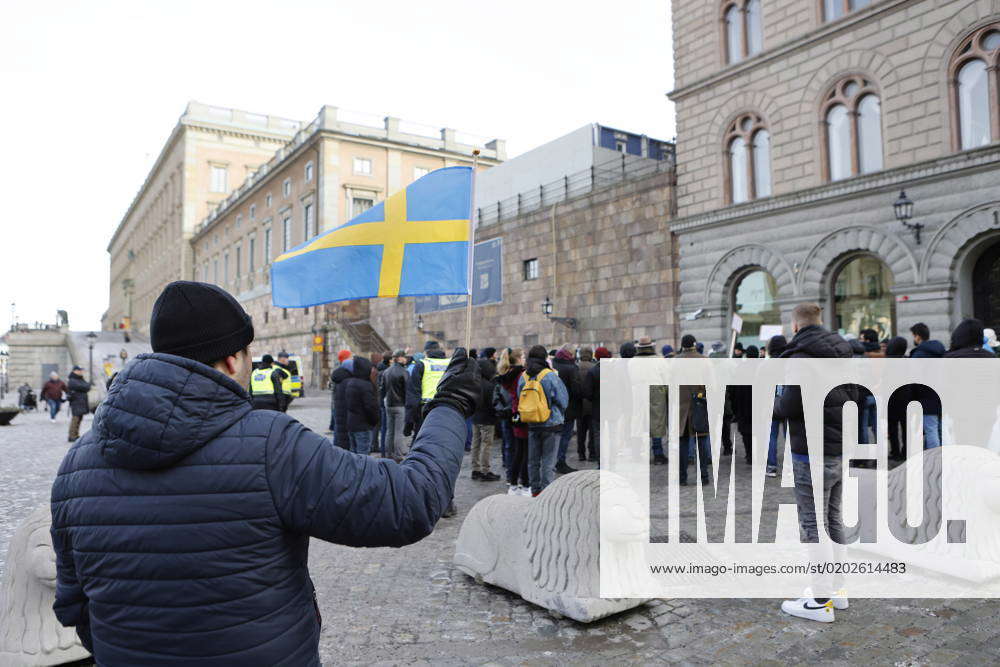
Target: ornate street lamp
(437,335)
(904,213)
(547,311)
(91,339)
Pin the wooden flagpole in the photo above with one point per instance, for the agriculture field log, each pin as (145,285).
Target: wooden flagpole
(472,245)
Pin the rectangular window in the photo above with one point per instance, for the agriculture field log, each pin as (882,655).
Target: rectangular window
(215,270)
(284,313)
(219,179)
(266,313)
(239,262)
(253,211)
(286,188)
(420,172)
(225,269)
(362,166)
(309,171)
(309,219)
(286,234)
(531,269)
(267,200)
(239,221)
(251,247)
(360,204)
(267,246)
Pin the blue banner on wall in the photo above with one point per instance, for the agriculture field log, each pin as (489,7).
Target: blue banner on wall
(487,281)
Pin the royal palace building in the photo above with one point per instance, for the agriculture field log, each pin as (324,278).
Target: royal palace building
(839,151)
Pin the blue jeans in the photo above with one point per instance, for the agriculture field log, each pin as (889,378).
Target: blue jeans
(932,431)
(772,445)
(361,442)
(867,424)
(704,445)
(468,435)
(564,438)
(507,438)
(542,450)
(54,406)
(657,444)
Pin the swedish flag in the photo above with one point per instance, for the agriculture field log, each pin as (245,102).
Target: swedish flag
(415,243)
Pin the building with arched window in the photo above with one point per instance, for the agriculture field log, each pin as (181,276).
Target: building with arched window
(790,158)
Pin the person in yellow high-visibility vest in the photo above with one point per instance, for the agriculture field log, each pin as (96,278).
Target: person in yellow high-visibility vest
(270,386)
(424,379)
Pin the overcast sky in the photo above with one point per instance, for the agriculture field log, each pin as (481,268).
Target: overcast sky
(91,91)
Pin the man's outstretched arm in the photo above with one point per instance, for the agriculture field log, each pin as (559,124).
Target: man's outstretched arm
(355,500)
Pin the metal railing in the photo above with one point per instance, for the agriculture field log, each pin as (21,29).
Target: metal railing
(597,177)
(364,335)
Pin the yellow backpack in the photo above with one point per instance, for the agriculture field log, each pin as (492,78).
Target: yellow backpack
(532,403)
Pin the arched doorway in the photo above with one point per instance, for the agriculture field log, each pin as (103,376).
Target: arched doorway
(862,297)
(986,287)
(753,300)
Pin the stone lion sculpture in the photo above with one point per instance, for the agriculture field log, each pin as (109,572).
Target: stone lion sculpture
(30,634)
(547,549)
(960,533)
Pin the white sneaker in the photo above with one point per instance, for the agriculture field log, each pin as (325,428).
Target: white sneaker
(840,602)
(513,490)
(771,472)
(525,491)
(809,609)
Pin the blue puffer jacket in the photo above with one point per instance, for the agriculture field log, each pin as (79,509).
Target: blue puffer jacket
(181,521)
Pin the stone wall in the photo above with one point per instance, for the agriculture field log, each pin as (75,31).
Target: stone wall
(612,268)
(30,350)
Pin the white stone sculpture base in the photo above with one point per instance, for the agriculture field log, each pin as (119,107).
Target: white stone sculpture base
(30,634)
(546,549)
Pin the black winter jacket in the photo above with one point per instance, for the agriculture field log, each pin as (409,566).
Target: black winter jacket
(485,415)
(569,373)
(592,390)
(359,396)
(817,343)
(392,385)
(338,378)
(181,521)
(967,342)
(930,403)
(77,393)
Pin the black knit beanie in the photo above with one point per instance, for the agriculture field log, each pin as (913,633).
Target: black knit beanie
(199,321)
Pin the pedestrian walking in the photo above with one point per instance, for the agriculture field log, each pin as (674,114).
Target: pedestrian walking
(392,391)
(270,386)
(483,424)
(54,394)
(78,390)
(181,522)
(564,363)
(542,400)
(812,340)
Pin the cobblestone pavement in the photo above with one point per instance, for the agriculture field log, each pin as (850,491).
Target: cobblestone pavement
(410,606)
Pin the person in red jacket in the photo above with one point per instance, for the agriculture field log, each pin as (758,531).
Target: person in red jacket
(53,392)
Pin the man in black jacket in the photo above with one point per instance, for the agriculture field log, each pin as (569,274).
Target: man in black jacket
(361,406)
(813,341)
(79,404)
(564,363)
(181,521)
(392,392)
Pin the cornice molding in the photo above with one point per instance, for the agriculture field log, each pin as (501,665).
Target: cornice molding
(974,160)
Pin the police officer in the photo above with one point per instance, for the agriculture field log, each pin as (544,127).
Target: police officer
(423,382)
(270,386)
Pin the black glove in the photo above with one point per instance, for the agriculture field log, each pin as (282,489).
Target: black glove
(459,386)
